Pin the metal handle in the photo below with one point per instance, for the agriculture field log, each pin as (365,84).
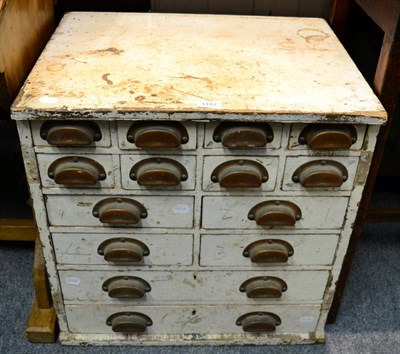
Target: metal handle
(240,174)
(129,322)
(123,250)
(243,135)
(76,171)
(157,135)
(119,211)
(328,136)
(158,172)
(263,287)
(259,322)
(275,213)
(126,287)
(70,133)
(269,251)
(321,173)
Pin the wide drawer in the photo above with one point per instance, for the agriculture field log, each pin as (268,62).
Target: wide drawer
(87,318)
(83,248)
(232,212)
(200,286)
(227,250)
(162,211)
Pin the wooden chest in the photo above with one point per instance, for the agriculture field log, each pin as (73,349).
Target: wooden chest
(195,178)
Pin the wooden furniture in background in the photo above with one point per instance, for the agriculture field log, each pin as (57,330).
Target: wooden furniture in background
(386,14)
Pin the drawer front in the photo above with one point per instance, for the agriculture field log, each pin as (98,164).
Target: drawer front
(209,142)
(192,319)
(124,144)
(129,161)
(232,212)
(294,163)
(162,211)
(297,128)
(227,250)
(239,164)
(163,249)
(104,127)
(46,161)
(201,287)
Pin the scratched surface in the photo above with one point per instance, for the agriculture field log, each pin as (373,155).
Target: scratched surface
(121,63)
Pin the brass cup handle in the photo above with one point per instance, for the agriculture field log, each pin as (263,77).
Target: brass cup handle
(157,135)
(76,171)
(269,251)
(129,322)
(240,174)
(70,133)
(123,250)
(119,211)
(259,322)
(158,172)
(263,287)
(126,287)
(243,135)
(275,213)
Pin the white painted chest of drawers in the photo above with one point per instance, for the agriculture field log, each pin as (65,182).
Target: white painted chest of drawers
(195,178)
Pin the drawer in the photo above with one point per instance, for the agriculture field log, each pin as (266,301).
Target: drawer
(158,172)
(200,287)
(193,319)
(232,212)
(163,250)
(227,250)
(102,127)
(324,170)
(296,130)
(189,127)
(210,143)
(83,171)
(162,211)
(237,171)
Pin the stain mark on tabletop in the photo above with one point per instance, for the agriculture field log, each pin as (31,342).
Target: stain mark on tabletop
(312,35)
(111,50)
(106,79)
(140,98)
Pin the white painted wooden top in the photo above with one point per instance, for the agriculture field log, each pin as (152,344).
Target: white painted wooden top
(124,66)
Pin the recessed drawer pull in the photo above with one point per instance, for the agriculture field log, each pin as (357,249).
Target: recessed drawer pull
(119,211)
(126,287)
(70,133)
(123,250)
(240,174)
(269,251)
(263,287)
(259,322)
(76,171)
(157,135)
(321,173)
(328,136)
(243,135)
(129,322)
(275,213)
(158,172)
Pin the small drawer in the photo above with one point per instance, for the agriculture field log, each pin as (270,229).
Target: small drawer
(157,135)
(293,212)
(143,211)
(158,172)
(186,319)
(227,250)
(70,133)
(76,171)
(323,173)
(84,249)
(300,133)
(200,287)
(211,143)
(238,173)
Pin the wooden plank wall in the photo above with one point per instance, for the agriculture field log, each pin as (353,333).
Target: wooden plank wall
(302,8)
